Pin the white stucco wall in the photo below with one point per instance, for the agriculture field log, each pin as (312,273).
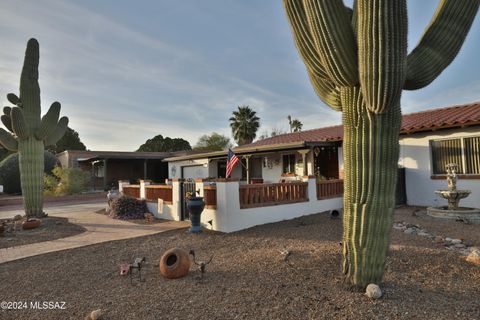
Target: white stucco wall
(228,217)
(233,218)
(272,174)
(415,157)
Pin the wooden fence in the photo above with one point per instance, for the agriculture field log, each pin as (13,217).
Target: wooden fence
(132,190)
(160,191)
(262,195)
(327,189)
(210,197)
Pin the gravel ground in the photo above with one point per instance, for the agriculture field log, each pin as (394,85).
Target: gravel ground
(52,228)
(248,279)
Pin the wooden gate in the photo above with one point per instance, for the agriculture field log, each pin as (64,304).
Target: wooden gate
(187,188)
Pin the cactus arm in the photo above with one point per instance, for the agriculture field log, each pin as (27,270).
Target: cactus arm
(58,132)
(382,51)
(326,91)
(440,42)
(7,122)
(330,27)
(8,141)
(49,121)
(19,126)
(303,38)
(12,97)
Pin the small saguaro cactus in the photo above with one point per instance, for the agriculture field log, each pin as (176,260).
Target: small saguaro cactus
(30,132)
(358,64)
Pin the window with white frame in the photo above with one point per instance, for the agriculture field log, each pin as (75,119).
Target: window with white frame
(464,151)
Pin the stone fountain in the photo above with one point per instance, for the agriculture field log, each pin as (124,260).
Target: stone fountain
(453,196)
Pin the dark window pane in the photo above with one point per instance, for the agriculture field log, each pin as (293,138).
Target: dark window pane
(445,152)
(472,155)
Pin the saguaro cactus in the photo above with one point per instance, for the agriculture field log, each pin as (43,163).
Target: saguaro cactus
(30,133)
(357,62)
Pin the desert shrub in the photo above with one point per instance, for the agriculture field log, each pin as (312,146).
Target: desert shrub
(126,207)
(10,171)
(66,181)
(50,184)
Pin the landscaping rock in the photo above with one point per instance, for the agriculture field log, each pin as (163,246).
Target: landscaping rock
(456,241)
(474,257)
(439,239)
(373,291)
(17,217)
(459,245)
(424,234)
(94,315)
(410,231)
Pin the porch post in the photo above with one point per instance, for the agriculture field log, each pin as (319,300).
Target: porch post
(304,159)
(105,161)
(145,169)
(247,167)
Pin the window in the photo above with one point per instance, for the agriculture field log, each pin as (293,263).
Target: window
(289,163)
(472,155)
(221,169)
(463,151)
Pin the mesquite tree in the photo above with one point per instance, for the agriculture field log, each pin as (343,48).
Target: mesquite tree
(358,64)
(30,133)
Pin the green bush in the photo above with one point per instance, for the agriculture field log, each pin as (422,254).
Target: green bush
(10,171)
(66,181)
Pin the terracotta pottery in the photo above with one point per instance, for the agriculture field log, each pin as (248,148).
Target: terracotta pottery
(174,263)
(31,224)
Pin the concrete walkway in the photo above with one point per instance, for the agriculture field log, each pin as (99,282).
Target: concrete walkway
(100,229)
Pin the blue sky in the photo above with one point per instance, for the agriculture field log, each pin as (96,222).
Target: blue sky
(126,71)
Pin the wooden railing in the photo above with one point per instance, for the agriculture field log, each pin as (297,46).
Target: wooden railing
(132,190)
(210,197)
(262,195)
(160,191)
(327,189)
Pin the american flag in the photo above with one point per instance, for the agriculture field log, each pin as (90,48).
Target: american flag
(232,160)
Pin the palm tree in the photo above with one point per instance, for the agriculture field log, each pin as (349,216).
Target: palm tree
(244,124)
(295,124)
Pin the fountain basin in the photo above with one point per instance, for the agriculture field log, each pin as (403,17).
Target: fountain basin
(453,194)
(453,197)
(471,215)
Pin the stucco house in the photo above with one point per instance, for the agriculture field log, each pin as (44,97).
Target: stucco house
(300,173)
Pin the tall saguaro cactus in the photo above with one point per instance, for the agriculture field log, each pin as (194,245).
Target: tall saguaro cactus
(358,64)
(30,133)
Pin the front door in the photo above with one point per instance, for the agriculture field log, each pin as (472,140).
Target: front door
(326,162)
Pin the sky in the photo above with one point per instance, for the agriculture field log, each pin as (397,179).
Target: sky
(126,71)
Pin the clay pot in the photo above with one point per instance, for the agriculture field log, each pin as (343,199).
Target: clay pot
(174,263)
(31,224)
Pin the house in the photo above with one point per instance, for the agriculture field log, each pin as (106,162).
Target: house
(300,173)
(108,167)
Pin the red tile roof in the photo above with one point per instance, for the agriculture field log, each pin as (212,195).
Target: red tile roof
(434,119)
(455,116)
